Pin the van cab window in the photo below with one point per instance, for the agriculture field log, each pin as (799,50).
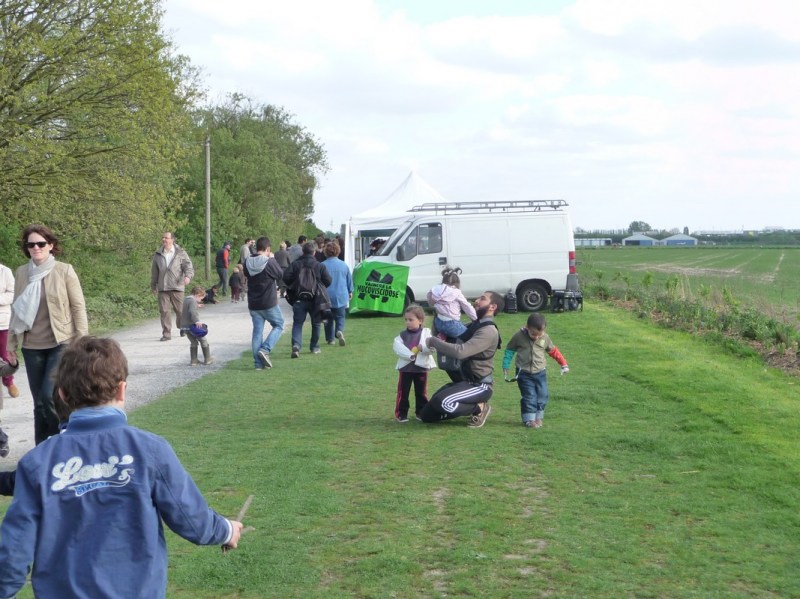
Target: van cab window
(424,239)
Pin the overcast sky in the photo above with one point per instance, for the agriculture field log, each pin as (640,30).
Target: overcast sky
(678,113)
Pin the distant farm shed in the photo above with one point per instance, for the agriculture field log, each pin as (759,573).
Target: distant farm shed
(680,239)
(592,241)
(639,239)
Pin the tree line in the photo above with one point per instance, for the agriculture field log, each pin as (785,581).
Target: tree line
(102,133)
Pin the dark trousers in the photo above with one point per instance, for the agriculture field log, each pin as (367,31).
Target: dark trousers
(420,382)
(456,399)
(41,366)
(223,280)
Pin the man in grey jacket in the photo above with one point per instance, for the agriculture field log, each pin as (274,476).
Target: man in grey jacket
(172,270)
(471,389)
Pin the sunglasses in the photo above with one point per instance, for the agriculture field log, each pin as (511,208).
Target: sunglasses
(32,244)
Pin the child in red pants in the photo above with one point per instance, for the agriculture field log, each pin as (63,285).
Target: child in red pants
(414,360)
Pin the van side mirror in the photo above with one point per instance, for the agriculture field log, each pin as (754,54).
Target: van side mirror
(401,255)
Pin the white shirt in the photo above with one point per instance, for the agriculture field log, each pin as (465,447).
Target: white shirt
(168,256)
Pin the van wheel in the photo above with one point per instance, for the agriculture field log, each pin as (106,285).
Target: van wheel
(532,297)
(409,299)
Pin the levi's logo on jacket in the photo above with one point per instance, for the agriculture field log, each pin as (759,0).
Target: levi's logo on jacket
(81,479)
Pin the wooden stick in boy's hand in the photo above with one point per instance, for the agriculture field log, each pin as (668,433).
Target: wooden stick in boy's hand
(242,512)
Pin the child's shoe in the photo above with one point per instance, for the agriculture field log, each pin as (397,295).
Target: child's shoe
(13,391)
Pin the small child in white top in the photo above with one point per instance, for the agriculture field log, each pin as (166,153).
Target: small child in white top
(448,302)
(414,360)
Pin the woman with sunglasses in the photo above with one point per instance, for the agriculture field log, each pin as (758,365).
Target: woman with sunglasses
(47,313)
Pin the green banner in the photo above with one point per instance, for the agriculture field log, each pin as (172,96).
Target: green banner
(379,287)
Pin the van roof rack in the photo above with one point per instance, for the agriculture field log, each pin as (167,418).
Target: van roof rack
(484,207)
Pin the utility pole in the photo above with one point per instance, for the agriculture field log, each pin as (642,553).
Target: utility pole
(208,207)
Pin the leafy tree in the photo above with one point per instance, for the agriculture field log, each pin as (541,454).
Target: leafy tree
(639,226)
(264,170)
(93,119)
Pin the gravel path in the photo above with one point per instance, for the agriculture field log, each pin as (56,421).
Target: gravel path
(155,367)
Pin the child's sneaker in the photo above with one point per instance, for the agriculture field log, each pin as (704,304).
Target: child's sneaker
(530,423)
(13,391)
(538,423)
(403,419)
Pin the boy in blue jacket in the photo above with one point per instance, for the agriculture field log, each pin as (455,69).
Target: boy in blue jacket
(89,503)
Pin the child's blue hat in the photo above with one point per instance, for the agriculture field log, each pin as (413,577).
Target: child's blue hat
(199,331)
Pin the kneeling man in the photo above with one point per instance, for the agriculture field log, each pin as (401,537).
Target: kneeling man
(471,389)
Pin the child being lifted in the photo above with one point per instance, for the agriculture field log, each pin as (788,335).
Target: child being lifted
(448,302)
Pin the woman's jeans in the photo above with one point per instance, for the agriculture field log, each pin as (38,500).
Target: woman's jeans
(335,324)
(41,366)
(535,396)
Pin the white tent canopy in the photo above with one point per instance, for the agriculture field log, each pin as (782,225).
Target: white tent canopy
(384,218)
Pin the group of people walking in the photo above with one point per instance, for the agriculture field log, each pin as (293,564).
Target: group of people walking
(310,274)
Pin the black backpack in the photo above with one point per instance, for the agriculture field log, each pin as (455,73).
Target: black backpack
(305,285)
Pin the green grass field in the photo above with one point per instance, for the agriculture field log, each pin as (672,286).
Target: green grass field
(764,277)
(665,469)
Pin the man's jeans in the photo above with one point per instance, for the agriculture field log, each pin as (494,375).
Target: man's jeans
(274,317)
(535,396)
(335,324)
(41,366)
(223,280)
(300,310)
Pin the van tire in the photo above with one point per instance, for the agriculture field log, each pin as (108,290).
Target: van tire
(532,297)
(409,299)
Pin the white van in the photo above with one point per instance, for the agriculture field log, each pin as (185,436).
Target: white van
(525,247)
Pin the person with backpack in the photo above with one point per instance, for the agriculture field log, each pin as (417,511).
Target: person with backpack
(303,278)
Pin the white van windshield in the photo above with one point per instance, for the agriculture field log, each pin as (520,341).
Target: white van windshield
(387,247)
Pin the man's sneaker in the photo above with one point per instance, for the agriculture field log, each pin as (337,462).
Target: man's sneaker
(403,419)
(13,391)
(264,357)
(295,351)
(165,338)
(417,417)
(478,420)
(316,350)
(340,337)
(331,342)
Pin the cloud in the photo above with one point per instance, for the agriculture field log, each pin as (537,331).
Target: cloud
(674,112)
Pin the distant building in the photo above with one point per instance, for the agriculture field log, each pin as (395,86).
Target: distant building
(640,239)
(679,239)
(592,242)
